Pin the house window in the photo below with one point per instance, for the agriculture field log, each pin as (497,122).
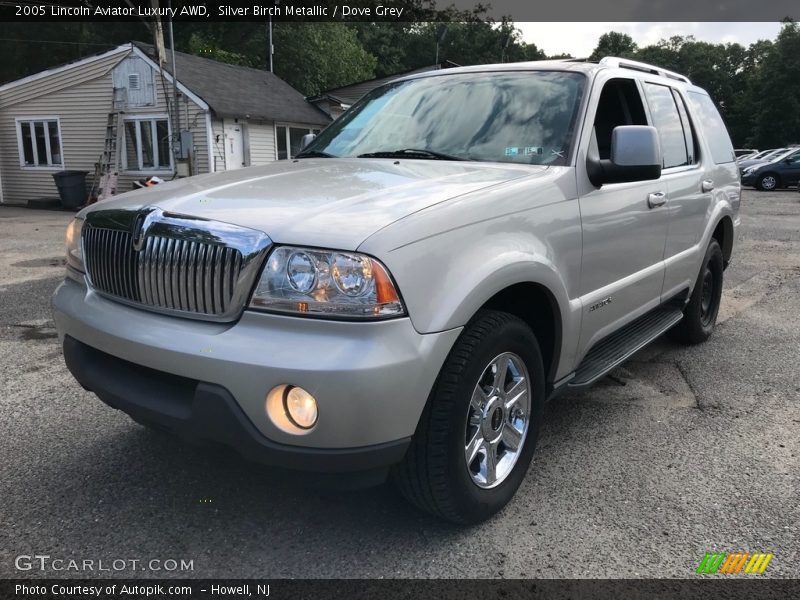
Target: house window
(146,145)
(291,138)
(39,142)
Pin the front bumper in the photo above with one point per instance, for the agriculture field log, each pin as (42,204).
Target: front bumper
(749,180)
(200,411)
(371,380)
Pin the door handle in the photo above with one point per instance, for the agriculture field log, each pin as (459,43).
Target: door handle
(656,199)
(707,185)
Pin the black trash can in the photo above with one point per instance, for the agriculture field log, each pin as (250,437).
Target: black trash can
(71,188)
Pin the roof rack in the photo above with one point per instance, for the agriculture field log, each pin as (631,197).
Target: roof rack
(624,63)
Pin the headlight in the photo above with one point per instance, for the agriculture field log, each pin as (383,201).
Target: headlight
(326,283)
(749,170)
(74,247)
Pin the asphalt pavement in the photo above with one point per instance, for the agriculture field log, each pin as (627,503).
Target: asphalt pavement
(682,451)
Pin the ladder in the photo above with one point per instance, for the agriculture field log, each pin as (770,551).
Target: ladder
(106,170)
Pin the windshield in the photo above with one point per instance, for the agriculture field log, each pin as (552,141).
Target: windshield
(775,153)
(785,153)
(521,117)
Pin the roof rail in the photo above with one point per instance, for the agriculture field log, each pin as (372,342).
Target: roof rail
(624,63)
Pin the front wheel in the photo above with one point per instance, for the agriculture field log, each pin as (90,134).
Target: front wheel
(700,314)
(476,437)
(767,182)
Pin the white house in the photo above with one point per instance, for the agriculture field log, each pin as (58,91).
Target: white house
(229,117)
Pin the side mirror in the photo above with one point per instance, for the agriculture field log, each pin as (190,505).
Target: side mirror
(307,139)
(635,156)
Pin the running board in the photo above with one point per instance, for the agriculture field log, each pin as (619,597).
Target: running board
(622,344)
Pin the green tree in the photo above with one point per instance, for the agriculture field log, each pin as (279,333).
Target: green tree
(469,43)
(718,68)
(200,45)
(313,57)
(776,91)
(29,48)
(386,41)
(614,43)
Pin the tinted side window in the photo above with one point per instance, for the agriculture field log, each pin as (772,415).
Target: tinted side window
(714,128)
(688,131)
(668,122)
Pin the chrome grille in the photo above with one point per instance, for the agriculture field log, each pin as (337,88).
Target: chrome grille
(169,273)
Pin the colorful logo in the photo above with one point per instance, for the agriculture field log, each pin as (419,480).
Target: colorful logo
(735,562)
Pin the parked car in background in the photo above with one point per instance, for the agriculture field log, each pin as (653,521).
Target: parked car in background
(761,157)
(781,172)
(742,153)
(402,299)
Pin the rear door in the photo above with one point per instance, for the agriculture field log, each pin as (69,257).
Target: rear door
(687,183)
(709,176)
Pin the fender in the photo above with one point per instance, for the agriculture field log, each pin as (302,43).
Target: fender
(443,289)
(528,270)
(721,209)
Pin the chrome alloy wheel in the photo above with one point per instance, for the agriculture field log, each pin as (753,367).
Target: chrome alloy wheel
(769,182)
(498,420)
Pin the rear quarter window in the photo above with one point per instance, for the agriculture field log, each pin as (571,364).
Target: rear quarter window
(719,142)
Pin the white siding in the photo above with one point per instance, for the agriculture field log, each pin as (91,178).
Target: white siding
(67,78)
(261,136)
(82,109)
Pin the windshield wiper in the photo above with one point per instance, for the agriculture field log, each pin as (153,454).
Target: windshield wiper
(411,153)
(314,154)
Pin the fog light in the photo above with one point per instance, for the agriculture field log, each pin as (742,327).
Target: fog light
(300,406)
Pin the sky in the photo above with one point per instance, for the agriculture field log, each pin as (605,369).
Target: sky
(579,39)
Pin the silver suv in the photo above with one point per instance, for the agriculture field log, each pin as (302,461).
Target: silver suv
(404,295)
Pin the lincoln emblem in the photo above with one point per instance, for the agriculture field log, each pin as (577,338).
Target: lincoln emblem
(140,226)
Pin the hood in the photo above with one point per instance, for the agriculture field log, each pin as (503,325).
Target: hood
(326,202)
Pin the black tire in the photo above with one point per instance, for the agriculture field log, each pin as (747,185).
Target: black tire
(434,475)
(700,314)
(768,182)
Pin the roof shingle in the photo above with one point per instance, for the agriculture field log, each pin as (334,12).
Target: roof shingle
(236,91)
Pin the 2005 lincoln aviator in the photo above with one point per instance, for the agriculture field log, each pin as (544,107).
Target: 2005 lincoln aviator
(403,297)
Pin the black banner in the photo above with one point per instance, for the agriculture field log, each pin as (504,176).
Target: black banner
(401,10)
(754,588)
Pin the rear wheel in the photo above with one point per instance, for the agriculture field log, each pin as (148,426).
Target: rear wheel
(700,314)
(477,435)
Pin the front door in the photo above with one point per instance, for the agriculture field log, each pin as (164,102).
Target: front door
(234,144)
(790,173)
(624,224)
